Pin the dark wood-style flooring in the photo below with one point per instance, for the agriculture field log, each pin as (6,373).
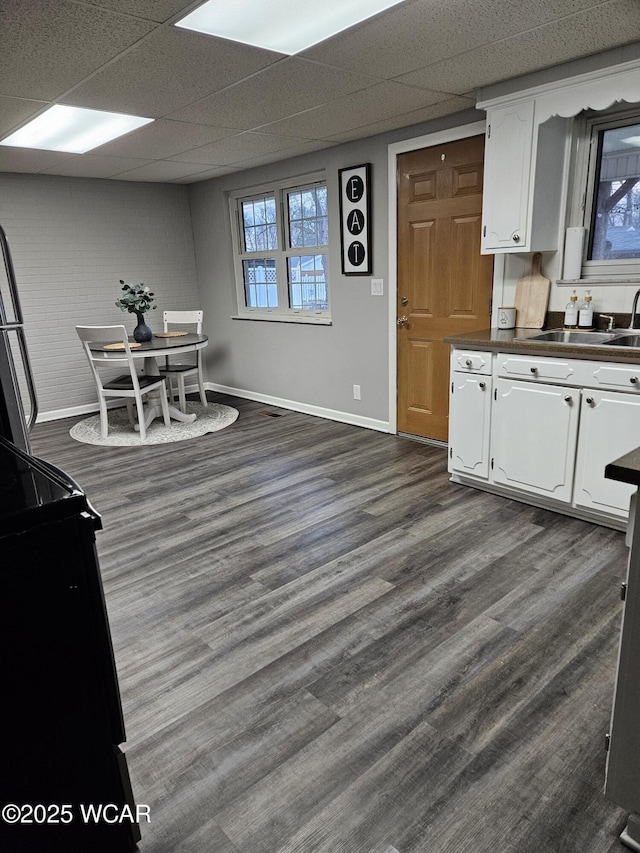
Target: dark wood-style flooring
(324,646)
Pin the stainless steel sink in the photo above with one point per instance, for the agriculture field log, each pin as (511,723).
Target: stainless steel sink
(559,336)
(625,340)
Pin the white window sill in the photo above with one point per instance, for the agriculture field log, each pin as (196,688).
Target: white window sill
(285,318)
(599,280)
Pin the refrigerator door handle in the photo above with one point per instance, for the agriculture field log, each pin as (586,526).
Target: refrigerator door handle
(31,387)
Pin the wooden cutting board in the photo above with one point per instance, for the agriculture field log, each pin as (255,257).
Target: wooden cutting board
(532,297)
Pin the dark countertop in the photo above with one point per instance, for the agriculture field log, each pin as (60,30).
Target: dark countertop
(626,469)
(504,341)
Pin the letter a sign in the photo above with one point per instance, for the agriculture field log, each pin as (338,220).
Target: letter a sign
(355,220)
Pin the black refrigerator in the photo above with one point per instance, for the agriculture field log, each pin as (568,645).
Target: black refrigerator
(64,782)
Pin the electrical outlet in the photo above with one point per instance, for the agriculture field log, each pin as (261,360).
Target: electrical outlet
(377,287)
(356,392)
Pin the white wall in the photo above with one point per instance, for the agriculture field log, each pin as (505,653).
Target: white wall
(71,241)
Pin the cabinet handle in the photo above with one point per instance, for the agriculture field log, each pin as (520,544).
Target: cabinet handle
(591,401)
(516,238)
(568,399)
(634,380)
(534,369)
(468,362)
(482,386)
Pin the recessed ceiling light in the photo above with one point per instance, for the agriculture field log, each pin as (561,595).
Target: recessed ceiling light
(73,129)
(287,26)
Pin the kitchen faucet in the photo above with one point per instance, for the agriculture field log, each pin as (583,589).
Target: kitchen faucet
(632,321)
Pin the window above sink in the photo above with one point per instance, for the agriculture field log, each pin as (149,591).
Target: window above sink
(606,192)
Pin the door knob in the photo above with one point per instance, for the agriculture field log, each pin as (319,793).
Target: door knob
(403,321)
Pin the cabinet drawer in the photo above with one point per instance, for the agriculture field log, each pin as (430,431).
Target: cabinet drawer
(615,376)
(471,361)
(557,370)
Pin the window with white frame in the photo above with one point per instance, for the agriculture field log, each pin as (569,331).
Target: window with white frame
(607,192)
(281,244)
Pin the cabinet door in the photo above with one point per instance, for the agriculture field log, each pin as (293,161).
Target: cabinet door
(508,155)
(535,429)
(469,424)
(609,428)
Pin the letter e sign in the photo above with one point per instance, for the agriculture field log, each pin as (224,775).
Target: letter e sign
(355,220)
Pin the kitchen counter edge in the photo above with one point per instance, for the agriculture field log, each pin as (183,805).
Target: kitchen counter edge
(503,340)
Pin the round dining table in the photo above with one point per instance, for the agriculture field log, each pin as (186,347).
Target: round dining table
(157,347)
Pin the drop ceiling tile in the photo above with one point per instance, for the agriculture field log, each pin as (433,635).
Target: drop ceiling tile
(160,170)
(235,149)
(443,108)
(586,32)
(377,103)
(205,176)
(161,139)
(15,111)
(282,89)
(152,10)
(93,166)
(400,40)
(303,147)
(168,70)
(46,47)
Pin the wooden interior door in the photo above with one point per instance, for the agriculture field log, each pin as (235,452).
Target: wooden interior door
(444,283)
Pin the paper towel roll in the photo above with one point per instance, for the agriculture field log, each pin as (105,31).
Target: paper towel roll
(573,243)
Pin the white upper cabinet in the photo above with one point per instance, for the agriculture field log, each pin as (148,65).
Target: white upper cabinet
(528,136)
(523,180)
(507,167)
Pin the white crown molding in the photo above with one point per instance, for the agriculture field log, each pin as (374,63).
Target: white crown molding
(595,90)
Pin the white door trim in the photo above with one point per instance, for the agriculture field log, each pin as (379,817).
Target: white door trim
(396,148)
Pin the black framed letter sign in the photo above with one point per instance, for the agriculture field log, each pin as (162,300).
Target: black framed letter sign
(355,219)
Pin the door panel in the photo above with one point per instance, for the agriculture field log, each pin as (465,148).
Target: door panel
(535,430)
(444,283)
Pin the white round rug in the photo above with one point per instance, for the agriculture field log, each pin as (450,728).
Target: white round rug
(209,418)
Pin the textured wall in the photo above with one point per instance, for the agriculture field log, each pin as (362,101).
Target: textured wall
(72,240)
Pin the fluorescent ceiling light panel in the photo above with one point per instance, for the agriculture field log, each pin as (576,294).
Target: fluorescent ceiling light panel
(73,129)
(287,26)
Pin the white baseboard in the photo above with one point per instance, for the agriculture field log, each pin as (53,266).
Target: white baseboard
(74,411)
(304,408)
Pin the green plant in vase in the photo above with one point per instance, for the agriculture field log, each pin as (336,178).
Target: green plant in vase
(137,299)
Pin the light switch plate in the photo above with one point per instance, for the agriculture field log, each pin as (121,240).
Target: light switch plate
(377,287)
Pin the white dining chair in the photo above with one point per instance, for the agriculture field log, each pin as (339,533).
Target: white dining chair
(179,371)
(129,385)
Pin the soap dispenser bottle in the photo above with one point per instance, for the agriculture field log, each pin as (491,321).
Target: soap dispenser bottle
(585,314)
(571,313)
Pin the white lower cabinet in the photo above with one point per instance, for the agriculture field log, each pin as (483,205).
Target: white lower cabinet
(609,428)
(534,435)
(543,429)
(469,430)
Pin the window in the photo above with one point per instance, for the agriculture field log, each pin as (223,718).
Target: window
(609,207)
(281,241)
